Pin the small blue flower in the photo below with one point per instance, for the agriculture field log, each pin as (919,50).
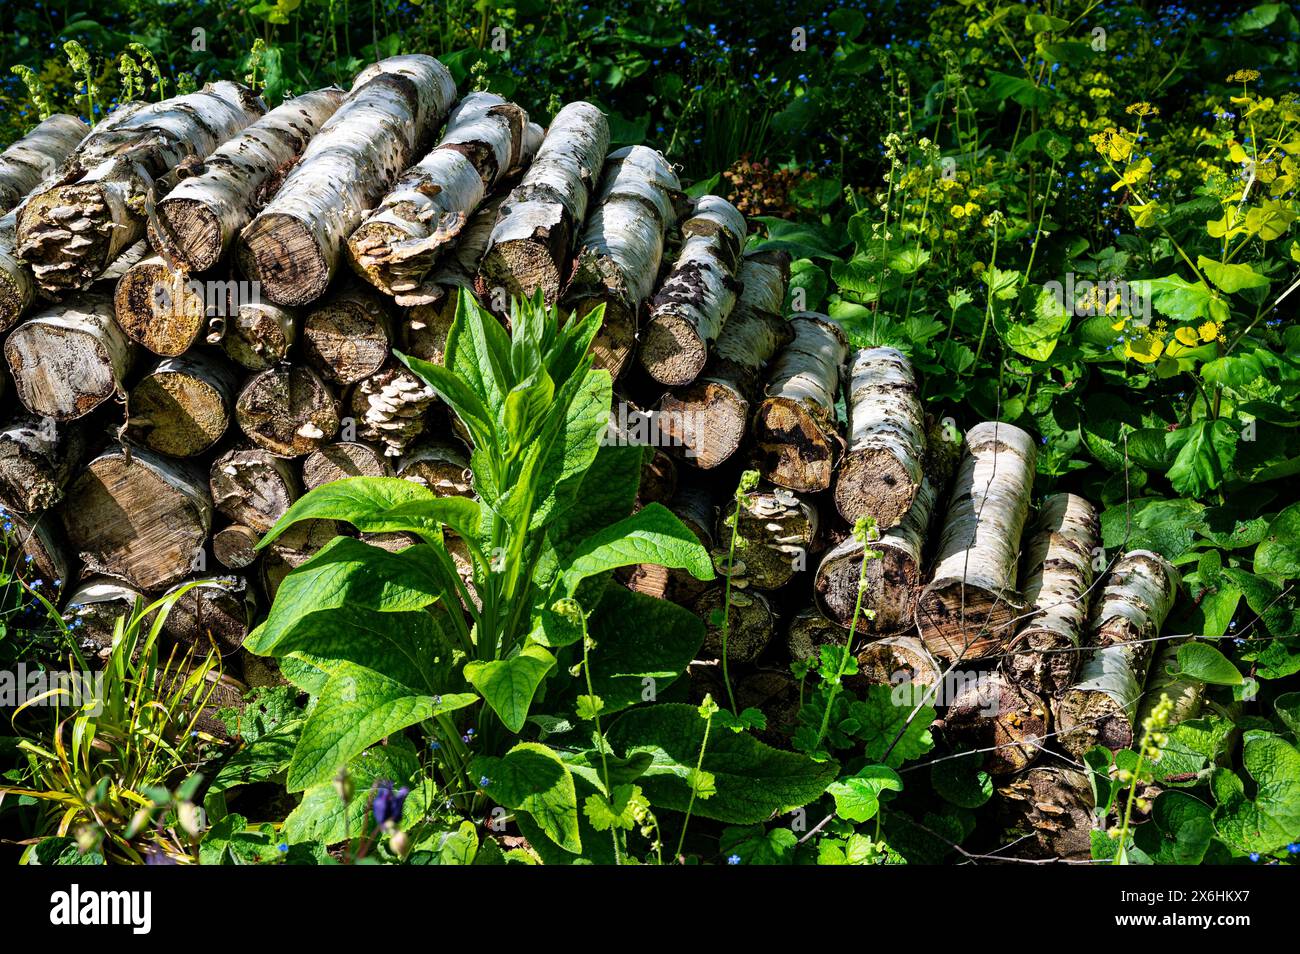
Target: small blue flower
(484,781)
(282,848)
(733,859)
(1254,856)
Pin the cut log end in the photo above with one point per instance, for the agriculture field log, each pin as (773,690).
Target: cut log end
(965,621)
(794,450)
(751,624)
(289,413)
(876,484)
(1004,721)
(189,232)
(521,268)
(891,581)
(284,254)
(342,460)
(235,546)
(1088,718)
(672,350)
(705,420)
(156,307)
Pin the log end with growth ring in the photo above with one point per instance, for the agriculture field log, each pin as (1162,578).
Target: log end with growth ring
(158,308)
(874,482)
(189,231)
(672,350)
(794,449)
(705,420)
(966,621)
(284,255)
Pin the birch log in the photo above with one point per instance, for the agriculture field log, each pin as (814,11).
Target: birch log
(992,715)
(895,577)
(17,287)
(69,359)
(709,417)
(809,631)
(894,660)
(213,614)
(253,487)
(533,238)
(779,530)
(287,411)
(182,407)
(1187,693)
(971,603)
(37,461)
(795,430)
(235,546)
(397,245)
(72,231)
(342,460)
(294,244)
(37,156)
(441,466)
(92,612)
(1052,807)
(621,248)
(882,467)
(41,552)
(198,221)
(1101,707)
(161,307)
(258,335)
(696,298)
(751,624)
(1057,572)
(348,337)
(139,516)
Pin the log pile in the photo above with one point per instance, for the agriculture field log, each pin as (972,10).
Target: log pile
(161,418)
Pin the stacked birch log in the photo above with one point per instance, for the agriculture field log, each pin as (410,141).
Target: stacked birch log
(202,299)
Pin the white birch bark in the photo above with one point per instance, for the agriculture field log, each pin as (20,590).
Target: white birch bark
(69,233)
(17,287)
(1057,572)
(965,611)
(621,247)
(691,306)
(37,156)
(294,244)
(197,222)
(532,241)
(795,429)
(69,359)
(882,468)
(1100,708)
(709,417)
(398,243)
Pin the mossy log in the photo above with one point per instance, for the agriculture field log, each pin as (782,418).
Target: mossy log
(1048,813)
(780,534)
(38,458)
(751,624)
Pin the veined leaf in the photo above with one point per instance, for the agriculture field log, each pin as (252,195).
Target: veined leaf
(531,778)
(509,685)
(653,534)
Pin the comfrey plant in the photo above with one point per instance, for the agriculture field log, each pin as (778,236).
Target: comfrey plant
(530,644)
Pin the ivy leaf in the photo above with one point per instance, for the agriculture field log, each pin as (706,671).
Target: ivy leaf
(752,780)
(356,708)
(1205,453)
(531,778)
(857,797)
(509,685)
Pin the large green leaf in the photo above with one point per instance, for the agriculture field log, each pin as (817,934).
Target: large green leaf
(752,780)
(1205,453)
(531,778)
(379,505)
(567,457)
(1272,819)
(653,534)
(356,708)
(1231,278)
(349,573)
(624,663)
(1179,832)
(509,685)
(1036,339)
(1278,554)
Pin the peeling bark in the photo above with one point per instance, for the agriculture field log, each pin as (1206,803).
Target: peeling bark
(37,156)
(1101,707)
(397,245)
(37,461)
(895,578)
(294,244)
(342,460)
(349,336)
(98,208)
(971,603)
(882,468)
(709,418)
(182,407)
(532,241)
(795,430)
(692,305)
(41,548)
(289,412)
(69,359)
(621,248)
(1057,573)
(198,221)
(253,487)
(139,516)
